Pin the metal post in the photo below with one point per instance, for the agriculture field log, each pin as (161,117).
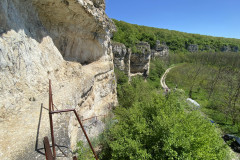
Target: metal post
(74,158)
(51,111)
(48,152)
(50,119)
(85,135)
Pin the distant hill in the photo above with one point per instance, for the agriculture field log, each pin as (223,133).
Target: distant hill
(178,42)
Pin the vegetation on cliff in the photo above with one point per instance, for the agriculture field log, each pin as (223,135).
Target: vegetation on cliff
(178,42)
(150,125)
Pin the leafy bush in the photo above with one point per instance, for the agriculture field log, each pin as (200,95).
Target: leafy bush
(84,152)
(152,127)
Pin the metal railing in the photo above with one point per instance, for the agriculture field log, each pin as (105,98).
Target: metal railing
(48,152)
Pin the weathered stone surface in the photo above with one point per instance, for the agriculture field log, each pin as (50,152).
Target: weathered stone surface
(235,49)
(128,62)
(99,4)
(78,29)
(121,57)
(193,48)
(226,48)
(119,53)
(206,48)
(140,62)
(36,39)
(161,50)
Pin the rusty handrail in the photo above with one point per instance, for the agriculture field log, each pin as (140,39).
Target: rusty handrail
(48,152)
(60,111)
(50,118)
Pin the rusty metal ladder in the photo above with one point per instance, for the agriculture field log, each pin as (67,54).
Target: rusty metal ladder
(48,153)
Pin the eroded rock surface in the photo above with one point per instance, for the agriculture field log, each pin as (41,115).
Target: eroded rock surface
(122,56)
(132,63)
(161,50)
(36,39)
(140,61)
(193,48)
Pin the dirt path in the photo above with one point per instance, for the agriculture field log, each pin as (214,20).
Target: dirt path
(162,80)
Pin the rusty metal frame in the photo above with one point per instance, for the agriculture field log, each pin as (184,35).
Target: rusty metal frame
(51,112)
(48,152)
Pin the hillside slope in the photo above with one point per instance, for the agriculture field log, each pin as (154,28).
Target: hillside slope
(129,34)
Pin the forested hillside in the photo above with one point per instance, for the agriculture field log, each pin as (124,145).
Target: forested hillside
(129,34)
(212,80)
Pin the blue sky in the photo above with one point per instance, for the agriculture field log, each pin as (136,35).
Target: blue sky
(208,17)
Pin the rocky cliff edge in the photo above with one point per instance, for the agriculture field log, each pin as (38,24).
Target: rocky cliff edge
(67,41)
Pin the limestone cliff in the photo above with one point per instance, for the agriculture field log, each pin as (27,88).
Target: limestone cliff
(161,50)
(132,63)
(140,60)
(67,41)
(192,48)
(122,56)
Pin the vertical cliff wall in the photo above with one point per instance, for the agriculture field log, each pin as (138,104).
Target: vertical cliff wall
(67,41)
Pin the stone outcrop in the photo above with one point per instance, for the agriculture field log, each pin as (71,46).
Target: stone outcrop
(193,48)
(140,60)
(121,57)
(132,63)
(78,36)
(235,49)
(161,50)
(226,48)
(68,42)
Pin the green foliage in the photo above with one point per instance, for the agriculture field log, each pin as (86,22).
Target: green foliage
(120,76)
(216,87)
(152,127)
(84,152)
(157,69)
(130,34)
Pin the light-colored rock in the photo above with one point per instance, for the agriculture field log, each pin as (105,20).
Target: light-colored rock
(226,48)
(36,39)
(193,48)
(161,50)
(119,53)
(121,57)
(140,61)
(235,49)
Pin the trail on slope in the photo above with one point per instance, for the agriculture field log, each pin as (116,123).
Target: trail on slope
(162,80)
(166,89)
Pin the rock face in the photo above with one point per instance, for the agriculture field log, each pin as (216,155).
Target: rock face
(132,63)
(235,49)
(193,48)
(121,57)
(161,50)
(78,36)
(226,48)
(67,41)
(140,61)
